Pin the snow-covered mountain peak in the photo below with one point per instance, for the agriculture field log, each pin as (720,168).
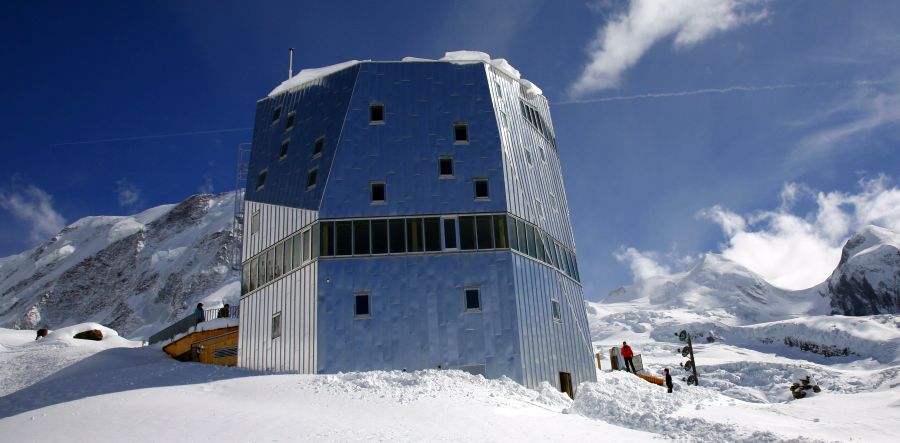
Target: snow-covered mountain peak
(135,273)
(868,239)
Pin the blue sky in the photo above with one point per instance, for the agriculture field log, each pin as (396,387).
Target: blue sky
(764,130)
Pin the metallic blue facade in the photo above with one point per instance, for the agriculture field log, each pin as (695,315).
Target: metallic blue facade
(418,317)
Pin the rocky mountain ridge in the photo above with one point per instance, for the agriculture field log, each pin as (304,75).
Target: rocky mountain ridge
(135,274)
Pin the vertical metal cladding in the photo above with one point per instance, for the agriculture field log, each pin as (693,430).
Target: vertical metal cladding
(418,315)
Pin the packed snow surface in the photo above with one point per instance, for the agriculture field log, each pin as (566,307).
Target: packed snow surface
(309,75)
(115,390)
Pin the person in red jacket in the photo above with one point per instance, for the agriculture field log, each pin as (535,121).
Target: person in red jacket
(628,355)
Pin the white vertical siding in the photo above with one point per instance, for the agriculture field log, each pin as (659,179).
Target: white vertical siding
(275,223)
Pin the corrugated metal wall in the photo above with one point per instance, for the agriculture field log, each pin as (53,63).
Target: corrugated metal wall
(275,223)
(295,350)
(548,346)
(542,178)
(294,295)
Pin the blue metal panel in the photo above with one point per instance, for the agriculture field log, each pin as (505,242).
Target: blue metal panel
(418,313)
(320,109)
(422,102)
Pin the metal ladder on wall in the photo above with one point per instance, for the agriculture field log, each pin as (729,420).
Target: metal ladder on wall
(240,187)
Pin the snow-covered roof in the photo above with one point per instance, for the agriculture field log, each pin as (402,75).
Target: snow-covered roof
(460,57)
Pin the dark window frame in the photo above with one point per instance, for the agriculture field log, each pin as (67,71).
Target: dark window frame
(276,114)
(318,147)
(466,292)
(312,175)
(282,154)
(261,179)
(276,325)
(356,312)
(289,122)
(556,310)
(487,188)
(464,126)
(445,160)
(374,109)
(372,187)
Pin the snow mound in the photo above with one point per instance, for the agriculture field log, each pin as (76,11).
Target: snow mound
(405,387)
(626,400)
(308,75)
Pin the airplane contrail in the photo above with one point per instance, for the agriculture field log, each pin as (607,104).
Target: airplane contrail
(724,90)
(148,137)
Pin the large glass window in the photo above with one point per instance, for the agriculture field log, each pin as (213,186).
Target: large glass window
(326,239)
(270,265)
(529,235)
(414,235)
(398,235)
(288,255)
(513,237)
(361,237)
(523,240)
(484,232)
(343,238)
(261,265)
(306,246)
(467,233)
(500,232)
(540,245)
(298,250)
(450,233)
(315,238)
(379,236)
(245,279)
(432,234)
(279,259)
(254,273)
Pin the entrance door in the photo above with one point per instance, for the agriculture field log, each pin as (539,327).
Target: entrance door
(565,384)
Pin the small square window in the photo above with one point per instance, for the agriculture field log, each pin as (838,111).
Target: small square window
(284,149)
(276,325)
(311,178)
(361,307)
(539,207)
(481,188)
(318,146)
(376,113)
(378,192)
(445,167)
(557,313)
(261,180)
(528,158)
(461,133)
(276,114)
(254,223)
(289,124)
(473,300)
(499,89)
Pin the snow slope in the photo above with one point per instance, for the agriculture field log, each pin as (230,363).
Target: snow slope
(138,394)
(136,273)
(867,279)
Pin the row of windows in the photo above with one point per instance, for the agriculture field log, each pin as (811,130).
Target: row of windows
(534,117)
(410,235)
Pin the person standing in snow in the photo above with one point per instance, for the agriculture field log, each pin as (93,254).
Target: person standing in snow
(198,314)
(628,355)
(668,379)
(224,311)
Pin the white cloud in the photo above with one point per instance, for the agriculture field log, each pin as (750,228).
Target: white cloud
(127,193)
(872,105)
(798,252)
(643,265)
(625,38)
(35,207)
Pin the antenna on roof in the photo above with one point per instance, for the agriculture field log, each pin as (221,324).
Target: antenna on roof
(291,65)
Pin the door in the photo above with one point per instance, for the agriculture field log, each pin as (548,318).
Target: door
(565,384)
